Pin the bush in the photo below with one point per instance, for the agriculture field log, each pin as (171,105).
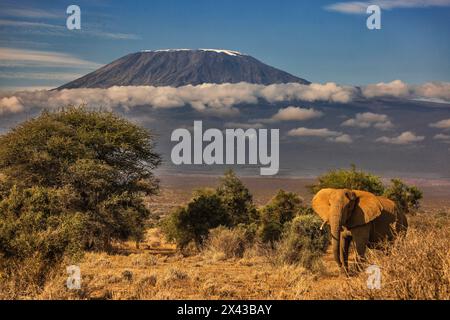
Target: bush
(349,179)
(303,242)
(193,222)
(285,206)
(231,243)
(407,197)
(104,160)
(237,200)
(38,229)
(281,209)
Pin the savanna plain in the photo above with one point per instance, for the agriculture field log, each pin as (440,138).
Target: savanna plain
(417,266)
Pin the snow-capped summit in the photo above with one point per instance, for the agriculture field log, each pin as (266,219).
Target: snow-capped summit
(180,67)
(228,52)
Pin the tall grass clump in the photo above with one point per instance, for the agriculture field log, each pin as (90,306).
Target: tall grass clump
(229,243)
(415,267)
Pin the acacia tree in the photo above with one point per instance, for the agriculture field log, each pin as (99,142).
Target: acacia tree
(104,160)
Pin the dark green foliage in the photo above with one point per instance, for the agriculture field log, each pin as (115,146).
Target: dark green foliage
(303,242)
(349,179)
(193,222)
(306,211)
(237,200)
(229,205)
(281,209)
(407,197)
(284,206)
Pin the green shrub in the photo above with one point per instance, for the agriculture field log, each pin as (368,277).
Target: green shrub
(304,211)
(407,197)
(281,209)
(237,200)
(192,223)
(285,205)
(303,242)
(38,229)
(270,228)
(349,179)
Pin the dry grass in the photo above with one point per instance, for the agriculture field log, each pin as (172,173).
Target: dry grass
(224,243)
(417,267)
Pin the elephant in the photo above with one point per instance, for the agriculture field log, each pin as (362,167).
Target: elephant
(358,216)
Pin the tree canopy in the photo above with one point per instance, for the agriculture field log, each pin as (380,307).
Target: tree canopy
(92,165)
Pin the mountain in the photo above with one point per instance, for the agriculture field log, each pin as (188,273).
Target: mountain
(180,67)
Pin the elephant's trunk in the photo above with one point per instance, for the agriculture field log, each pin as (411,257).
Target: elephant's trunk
(335,224)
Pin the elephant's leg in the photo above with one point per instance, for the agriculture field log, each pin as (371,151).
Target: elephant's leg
(345,248)
(401,223)
(361,237)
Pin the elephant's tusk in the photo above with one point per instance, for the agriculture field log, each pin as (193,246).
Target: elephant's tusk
(323,224)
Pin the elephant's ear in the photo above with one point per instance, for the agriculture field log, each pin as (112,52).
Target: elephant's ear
(321,203)
(367,208)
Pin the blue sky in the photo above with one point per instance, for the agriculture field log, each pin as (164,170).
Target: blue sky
(316,40)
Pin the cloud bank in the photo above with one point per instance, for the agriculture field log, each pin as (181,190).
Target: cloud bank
(399,89)
(215,98)
(222,99)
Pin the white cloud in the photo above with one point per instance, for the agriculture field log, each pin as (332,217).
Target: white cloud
(30,27)
(443,124)
(29,24)
(23,12)
(10,105)
(10,57)
(307,132)
(296,113)
(430,91)
(61,76)
(441,136)
(344,138)
(395,88)
(406,137)
(242,125)
(330,92)
(360,7)
(332,136)
(434,90)
(368,120)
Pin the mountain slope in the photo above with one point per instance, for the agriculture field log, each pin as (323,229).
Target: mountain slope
(181,67)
